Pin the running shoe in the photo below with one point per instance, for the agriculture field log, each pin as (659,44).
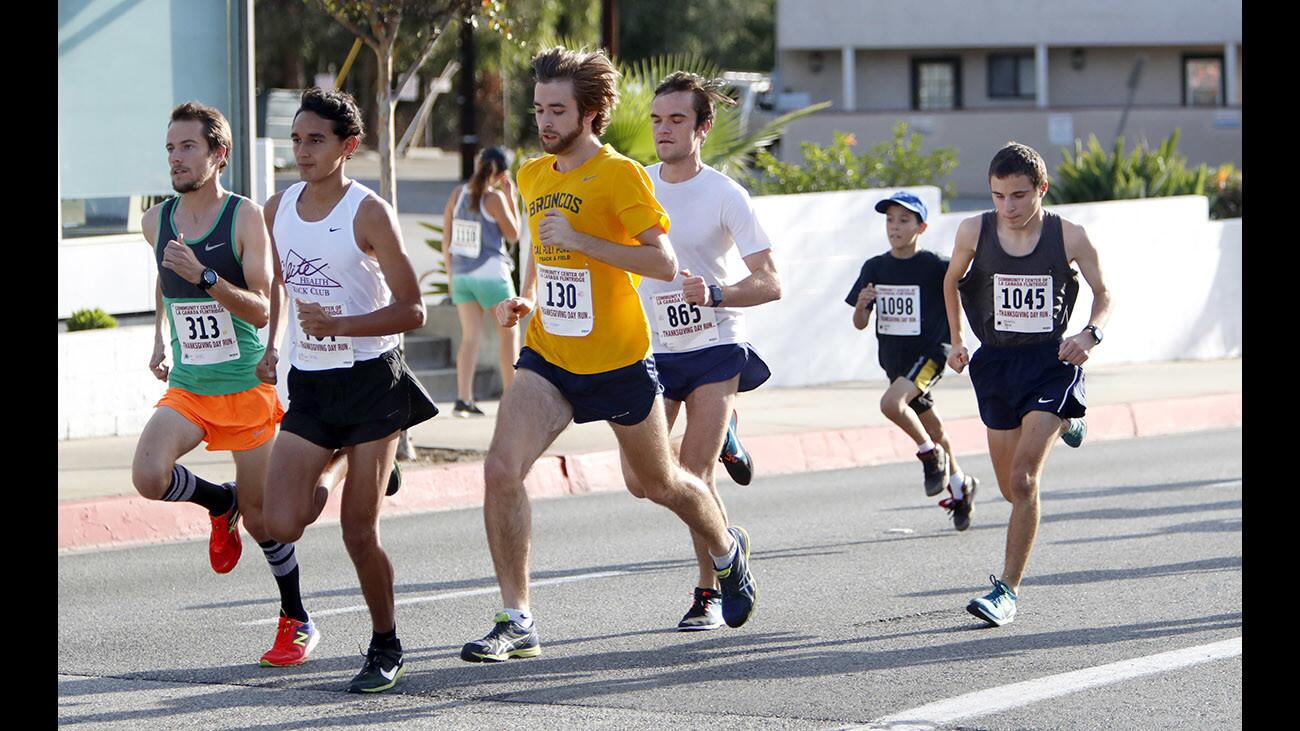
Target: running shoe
(998,607)
(935,465)
(466,409)
(734,455)
(294,641)
(1075,434)
(739,594)
(506,640)
(224,543)
(705,611)
(381,671)
(960,509)
(394,480)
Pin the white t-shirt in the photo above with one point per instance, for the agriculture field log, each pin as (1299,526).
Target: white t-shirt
(711,216)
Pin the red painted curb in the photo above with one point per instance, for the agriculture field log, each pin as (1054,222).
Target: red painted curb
(126,520)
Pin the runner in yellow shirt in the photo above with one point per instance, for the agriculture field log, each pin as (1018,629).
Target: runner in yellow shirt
(596,229)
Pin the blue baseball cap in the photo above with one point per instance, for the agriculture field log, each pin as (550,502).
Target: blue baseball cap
(906,200)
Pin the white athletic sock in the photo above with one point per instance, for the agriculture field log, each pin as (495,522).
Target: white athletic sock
(955,483)
(722,562)
(520,617)
(924,447)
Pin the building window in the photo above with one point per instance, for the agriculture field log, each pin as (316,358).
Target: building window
(1011,76)
(936,83)
(1203,82)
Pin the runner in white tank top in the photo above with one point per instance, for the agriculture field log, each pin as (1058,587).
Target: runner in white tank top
(339,257)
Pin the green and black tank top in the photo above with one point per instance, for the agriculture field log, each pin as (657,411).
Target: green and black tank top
(213,352)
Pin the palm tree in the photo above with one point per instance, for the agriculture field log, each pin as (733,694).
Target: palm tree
(728,148)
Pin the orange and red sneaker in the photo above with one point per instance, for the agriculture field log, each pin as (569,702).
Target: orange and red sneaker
(224,545)
(294,641)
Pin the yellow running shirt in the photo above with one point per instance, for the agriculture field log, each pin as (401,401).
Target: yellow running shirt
(588,316)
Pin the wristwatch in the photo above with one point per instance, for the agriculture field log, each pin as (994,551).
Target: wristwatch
(715,295)
(1095,331)
(207,279)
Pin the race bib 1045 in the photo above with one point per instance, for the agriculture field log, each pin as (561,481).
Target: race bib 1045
(205,332)
(1022,303)
(898,309)
(564,301)
(683,326)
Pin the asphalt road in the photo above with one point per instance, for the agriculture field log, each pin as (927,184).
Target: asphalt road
(860,619)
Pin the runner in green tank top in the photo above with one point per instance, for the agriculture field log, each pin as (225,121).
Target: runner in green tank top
(214,279)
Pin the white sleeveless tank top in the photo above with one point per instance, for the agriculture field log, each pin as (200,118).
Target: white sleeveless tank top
(321,263)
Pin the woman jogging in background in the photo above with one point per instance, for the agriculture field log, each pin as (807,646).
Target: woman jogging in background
(479,219)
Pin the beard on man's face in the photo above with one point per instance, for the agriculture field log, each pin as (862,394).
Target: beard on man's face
(561,144)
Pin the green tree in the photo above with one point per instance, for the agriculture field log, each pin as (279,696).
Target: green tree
(739,34)
(727,148)
(380,25)
(894,163)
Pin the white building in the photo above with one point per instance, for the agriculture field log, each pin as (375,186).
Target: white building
(972,74)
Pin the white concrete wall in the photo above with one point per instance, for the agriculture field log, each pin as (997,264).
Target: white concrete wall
(1175,278)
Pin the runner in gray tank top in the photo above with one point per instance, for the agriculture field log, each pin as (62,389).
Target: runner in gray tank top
(479,218)
(1018,295)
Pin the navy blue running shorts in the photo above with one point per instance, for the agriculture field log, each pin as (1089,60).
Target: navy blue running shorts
(1013,381)
(682,373)
(624,395)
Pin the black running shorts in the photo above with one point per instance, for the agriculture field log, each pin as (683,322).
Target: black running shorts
(369,401)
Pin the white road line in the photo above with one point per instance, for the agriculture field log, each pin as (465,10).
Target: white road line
(993,700)
(448,595)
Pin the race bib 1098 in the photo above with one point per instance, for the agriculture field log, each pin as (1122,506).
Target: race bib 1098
(898,309)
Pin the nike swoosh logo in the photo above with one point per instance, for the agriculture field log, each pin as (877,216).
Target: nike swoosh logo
(388,674)
(340,228)
(210,247)
(1046,400)
(589,177)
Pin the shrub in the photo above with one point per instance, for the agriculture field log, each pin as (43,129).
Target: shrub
(1225,194)
(1097,175)
(893,163)
(90,319)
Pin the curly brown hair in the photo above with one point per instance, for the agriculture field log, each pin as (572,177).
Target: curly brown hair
(595,80)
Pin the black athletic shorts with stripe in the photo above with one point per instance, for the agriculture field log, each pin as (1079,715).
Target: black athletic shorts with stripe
(1015,380)
(924,371)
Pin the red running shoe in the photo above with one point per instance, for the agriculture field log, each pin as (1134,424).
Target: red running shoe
(294,641)
(224,545)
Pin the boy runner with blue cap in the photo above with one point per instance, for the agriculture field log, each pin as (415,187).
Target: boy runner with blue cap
(905,285)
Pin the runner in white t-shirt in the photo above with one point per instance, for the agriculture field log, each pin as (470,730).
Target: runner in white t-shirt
(697,326)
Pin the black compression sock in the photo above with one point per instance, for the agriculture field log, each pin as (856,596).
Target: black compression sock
(189,487)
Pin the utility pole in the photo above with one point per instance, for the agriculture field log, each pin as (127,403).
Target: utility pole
(609,26)
(468,124)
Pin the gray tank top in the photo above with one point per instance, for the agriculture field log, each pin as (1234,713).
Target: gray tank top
(1019,300)
(493,258)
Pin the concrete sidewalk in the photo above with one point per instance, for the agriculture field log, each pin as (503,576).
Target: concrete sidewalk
(785,429)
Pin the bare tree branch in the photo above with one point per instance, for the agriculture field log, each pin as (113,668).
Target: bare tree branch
(342,19)
(425,53)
